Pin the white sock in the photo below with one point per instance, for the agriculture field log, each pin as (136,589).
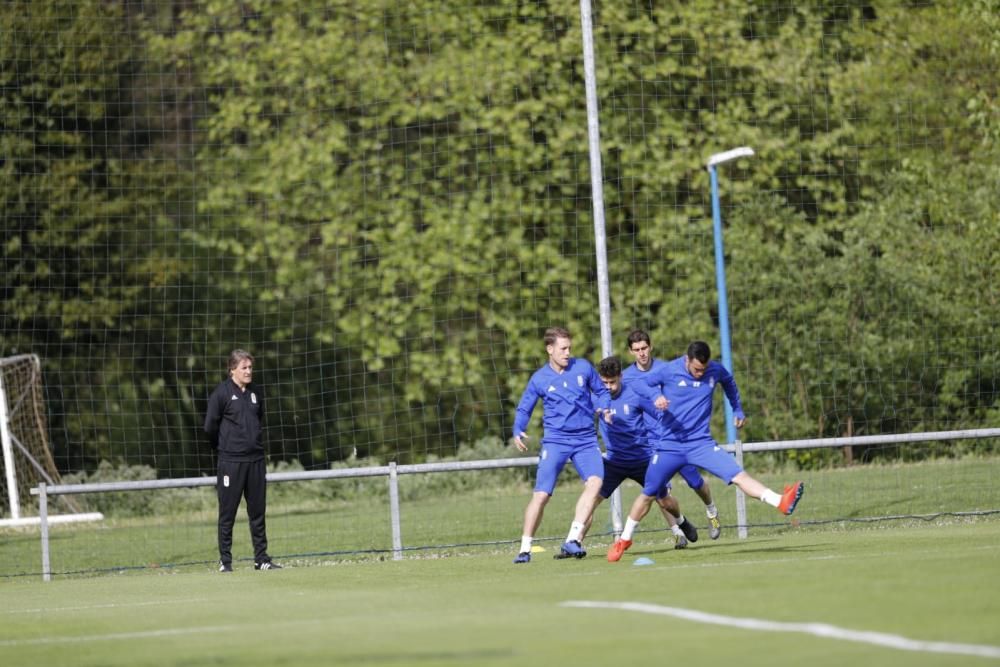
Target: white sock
(680,519)
(711,510)
(575,529)
(526,543)
(770,497)
(630,525)
(676,530)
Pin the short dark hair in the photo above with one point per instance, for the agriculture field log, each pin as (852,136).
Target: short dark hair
(238,355)
(699,350)
(609,367)
(553,333)
(638,336)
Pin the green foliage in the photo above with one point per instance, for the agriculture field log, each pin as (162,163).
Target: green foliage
(87,240)
(301,496)
(388,203)
(152,503)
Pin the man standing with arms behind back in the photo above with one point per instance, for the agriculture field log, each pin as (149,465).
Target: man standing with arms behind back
(234,423)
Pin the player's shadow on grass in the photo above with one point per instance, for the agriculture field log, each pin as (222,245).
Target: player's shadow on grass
(770,545)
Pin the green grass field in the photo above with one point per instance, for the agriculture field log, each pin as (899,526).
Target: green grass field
(932,582)
(483,513)
(882,589)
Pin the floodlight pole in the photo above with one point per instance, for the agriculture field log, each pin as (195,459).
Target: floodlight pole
(720,272)
(597,191)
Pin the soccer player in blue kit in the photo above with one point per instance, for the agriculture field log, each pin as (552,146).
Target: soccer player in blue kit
(565,386)
(640,346)
(680,435)
(626,447)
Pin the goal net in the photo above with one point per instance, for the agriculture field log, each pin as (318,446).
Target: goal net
(27,459)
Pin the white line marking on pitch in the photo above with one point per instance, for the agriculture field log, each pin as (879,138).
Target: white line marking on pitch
(144,634)
(817,629)
(110,605)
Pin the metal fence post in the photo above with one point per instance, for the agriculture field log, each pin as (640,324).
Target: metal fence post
(741,498)
(43,522)
(397,539)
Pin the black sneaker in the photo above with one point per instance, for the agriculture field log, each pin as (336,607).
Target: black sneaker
(690,532)
(225,567)
(266,565)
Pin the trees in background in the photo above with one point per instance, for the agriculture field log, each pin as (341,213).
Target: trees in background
(389,204)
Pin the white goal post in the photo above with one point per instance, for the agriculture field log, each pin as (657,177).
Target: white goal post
(27,459)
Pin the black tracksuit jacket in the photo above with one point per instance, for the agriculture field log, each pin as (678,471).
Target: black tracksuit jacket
(234,421)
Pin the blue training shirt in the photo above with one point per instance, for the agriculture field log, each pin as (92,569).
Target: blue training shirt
(625,438)
(634,373)
(690,412)
(566,400)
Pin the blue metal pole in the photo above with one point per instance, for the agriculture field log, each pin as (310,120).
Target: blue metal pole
(720,283)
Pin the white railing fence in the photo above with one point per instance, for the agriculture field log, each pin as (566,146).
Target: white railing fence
(392,471)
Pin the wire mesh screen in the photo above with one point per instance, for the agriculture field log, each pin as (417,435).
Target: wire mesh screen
(387,202)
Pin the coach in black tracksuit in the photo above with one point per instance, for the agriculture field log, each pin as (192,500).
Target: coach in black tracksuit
(233,422)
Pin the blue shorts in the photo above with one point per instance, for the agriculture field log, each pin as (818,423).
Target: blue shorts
(585,455)
(616,472)
(671,456)
(692,477)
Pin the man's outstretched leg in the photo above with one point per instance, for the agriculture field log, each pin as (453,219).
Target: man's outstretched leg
(785,503)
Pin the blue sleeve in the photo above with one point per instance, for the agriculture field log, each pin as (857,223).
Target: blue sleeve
(602,427)
(653,379)
(647,402)
(598,389)
(645,391)
(524,408)
(732,391)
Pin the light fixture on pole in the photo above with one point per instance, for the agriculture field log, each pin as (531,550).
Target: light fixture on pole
(720,271)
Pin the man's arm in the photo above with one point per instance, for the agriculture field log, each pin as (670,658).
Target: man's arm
(213,417)
(652,382)
(598,389)
(732,392)
(522,415)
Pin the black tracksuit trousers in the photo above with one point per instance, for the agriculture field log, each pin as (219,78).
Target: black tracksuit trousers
(238,479)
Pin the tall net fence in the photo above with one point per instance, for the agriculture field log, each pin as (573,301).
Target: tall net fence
(387,202)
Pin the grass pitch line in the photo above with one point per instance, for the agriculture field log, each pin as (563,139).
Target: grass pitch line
(118,636)
(816,629)
(109,605)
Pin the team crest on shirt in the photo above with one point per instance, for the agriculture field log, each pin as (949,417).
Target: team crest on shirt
(625,408)
(253,398)
(711,382)
(579,380)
